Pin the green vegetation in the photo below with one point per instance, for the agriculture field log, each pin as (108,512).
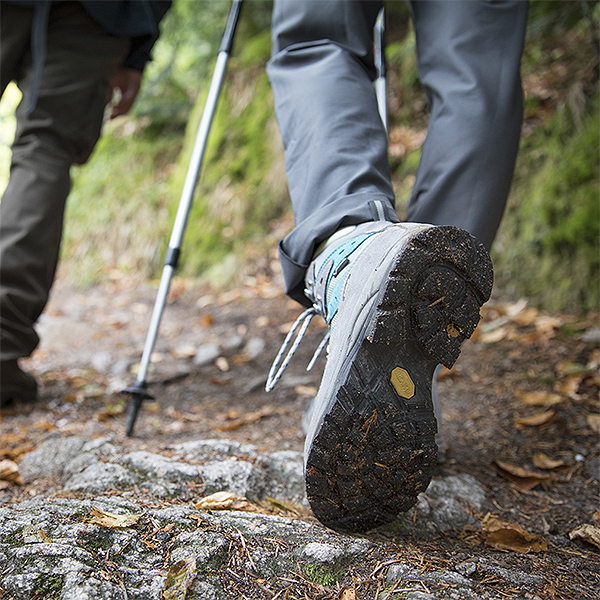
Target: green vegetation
(548,244)
(322,575)
(48,586)
(548,247)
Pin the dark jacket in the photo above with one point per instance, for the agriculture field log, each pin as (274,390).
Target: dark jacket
(135,19)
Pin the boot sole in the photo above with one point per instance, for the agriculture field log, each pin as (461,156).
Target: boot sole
(375,450)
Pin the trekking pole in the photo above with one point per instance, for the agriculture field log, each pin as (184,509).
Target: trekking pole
(380,83)
(139,390)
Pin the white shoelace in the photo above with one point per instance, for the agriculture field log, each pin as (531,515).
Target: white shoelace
(280,363)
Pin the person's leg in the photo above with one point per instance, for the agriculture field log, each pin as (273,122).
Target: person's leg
(399,298)
(469,57)
(61,130)
(335,144)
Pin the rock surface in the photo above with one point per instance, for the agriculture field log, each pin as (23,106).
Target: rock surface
(52,546)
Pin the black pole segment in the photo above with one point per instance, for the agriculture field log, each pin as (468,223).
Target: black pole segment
(138,395)
(172,257)
(234,14)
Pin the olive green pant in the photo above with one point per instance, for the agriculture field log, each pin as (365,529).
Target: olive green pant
(60,130)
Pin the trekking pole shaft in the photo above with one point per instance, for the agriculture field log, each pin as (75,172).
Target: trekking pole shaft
(159,305)
(380,82)
(191,178)
(138,390)
(187,194)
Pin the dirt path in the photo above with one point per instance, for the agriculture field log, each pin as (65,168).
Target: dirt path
(520,407)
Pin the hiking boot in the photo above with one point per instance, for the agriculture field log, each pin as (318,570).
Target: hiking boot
(16,385)
(399,299)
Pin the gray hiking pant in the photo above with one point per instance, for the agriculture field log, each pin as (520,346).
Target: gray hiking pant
(322,72)
(61,130)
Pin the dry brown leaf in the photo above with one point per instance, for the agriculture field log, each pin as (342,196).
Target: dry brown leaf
(594,422)
(348,594)
(539,398)
(179,579)
(184,351)
(15,452)
(228,501)
(305,390)
(32,534)
(587,533)
(568,368)
(569,386)
(549,325)
(522,478)
(535,420)
(284,505)
(111,520)
(9,471)
(110,410)
(240,421)
(510,537)
(527,316)
(492,337)
(596,516)
(543,461)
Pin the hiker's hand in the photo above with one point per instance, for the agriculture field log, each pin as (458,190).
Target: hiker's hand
(126,83)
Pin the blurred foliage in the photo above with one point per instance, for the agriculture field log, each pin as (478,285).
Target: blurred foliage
(548,247)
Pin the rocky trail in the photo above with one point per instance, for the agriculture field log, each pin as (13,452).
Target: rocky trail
(206,500)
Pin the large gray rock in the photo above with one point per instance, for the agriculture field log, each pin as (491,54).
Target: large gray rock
(447,504)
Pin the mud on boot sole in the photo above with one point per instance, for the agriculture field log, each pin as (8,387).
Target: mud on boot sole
(375,450)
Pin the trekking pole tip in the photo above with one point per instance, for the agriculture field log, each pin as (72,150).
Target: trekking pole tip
(138,393)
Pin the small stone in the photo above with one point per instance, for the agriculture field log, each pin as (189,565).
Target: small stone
(50,458)
(467,567)
(101,361)
(322,553)
(399,571)
(207,354)
(254,348)
(233,344)
(592,335)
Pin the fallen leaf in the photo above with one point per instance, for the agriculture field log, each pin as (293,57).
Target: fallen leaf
(594,422)
(184,351)
(348,594)
(539,398)
(305,390)
(9,471)
(525,317)
(543,461)
(111,520)
(510,537)
(110,410)
(227,501)
(284,505)
(568,368)
(548,325)
(587,533)
(535,420)
(569,386)
(179,579)
(522,478)
(239,421)
(494,336)
(32,534)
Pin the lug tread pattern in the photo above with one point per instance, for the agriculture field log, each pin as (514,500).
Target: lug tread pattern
(375,450)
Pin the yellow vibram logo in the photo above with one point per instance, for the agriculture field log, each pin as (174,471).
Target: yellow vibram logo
(403,383)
